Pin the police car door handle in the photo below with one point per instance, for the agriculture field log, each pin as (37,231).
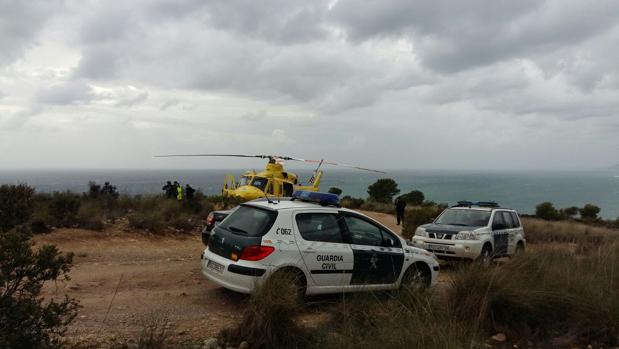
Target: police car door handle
(309,250)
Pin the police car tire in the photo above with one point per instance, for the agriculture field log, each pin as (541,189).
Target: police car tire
(417,276)
(295,276)
(519,248)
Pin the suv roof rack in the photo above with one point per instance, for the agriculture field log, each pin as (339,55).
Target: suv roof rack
(491,204)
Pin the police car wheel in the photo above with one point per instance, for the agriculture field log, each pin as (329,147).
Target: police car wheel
(417,277)
(290,282)
(519,249)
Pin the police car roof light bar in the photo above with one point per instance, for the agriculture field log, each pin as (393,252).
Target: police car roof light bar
(316,197)
(478,203)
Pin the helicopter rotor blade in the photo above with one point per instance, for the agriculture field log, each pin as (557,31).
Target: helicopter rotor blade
(215,155)
(274,157)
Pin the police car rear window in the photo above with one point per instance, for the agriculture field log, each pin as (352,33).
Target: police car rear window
(249,221)
(319,227)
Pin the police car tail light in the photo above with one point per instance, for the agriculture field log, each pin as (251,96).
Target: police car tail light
(256,252)
(210,218)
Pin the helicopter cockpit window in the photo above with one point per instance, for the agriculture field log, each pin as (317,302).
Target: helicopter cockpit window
(244,180)
(259,183)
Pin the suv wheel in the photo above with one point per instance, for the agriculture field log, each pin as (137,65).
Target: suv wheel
(416,278)
(519,248)
(485,257)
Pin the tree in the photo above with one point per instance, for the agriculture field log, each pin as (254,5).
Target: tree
(589,212)
(547,211)
(26,321)
(415,197)
(335,190)
(16,205)
(570,212)
(383,190)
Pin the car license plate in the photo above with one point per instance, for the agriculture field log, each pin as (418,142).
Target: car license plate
(438,247)
(216,267)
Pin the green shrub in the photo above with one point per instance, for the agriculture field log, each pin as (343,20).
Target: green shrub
(16,205)
(375,206)
(26,320)
(90,215)
(383,190)
(350,202)
(547,211)
(414,197)
(335,190)
(63,208)
(589,212)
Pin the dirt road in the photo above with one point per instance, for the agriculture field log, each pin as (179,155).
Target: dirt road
(125,280)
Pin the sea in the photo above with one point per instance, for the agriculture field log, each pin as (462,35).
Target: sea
(521,190)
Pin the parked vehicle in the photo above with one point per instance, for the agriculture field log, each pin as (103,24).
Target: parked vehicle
(330,249)
(481,230)
(213,219)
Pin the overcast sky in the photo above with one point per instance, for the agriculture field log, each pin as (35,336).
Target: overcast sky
(386,84)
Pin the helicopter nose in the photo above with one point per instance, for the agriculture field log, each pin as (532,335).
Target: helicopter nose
(248,193)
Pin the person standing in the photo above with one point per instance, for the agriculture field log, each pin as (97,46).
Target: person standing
(169,189)
(179,191)
(189,192)
(400,206)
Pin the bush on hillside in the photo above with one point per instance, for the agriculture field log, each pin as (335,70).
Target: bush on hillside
(569,212)
(26,320)
(414,197)
(335,190)
(547,211)
(350,202)
(383,190)
(16,205)
(589,212)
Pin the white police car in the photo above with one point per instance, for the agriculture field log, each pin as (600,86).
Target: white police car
(330,249)
(480,230)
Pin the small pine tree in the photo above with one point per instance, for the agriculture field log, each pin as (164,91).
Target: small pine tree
(383,190)
(589,212)
(26,321)
(335,190)
(547,211)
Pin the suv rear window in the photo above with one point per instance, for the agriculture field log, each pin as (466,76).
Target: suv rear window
(249,221)
(467,218)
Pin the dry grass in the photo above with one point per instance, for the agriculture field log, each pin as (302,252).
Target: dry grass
(583,235)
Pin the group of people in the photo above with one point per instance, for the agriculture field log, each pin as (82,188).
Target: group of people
(175,190)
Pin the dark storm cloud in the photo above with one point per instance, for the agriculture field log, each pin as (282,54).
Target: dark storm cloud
(452,36)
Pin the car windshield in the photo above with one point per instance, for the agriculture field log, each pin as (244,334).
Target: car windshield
(245,180)
(259,183)
(250,221)
(468,218)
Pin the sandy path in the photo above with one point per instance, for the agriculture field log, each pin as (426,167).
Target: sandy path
(126,280)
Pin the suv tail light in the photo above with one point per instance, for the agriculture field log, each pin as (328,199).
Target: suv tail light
(256,252)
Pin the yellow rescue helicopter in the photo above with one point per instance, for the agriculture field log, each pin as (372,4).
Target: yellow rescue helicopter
(273,180)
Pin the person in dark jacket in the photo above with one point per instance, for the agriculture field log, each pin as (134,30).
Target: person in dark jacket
(169,189)
(189,192)
(400,206)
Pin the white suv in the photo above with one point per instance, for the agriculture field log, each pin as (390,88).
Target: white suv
(481,230)
(330,249)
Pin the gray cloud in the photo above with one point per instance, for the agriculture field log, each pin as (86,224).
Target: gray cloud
(367,76)
(20,22)
(71,92)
